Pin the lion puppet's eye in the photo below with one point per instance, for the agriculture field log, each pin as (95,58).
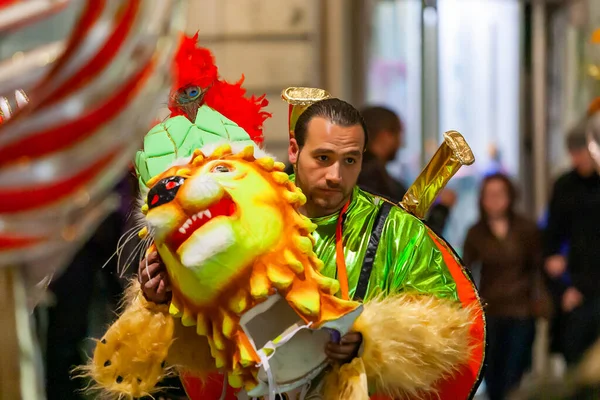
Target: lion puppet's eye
(221,168)
(164,191)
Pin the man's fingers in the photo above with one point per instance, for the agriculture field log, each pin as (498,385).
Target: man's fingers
(346,349)
(150,259)
(151,272)
(162,288)
(333,355)
(153,283)
(153,257)
(154,269)
(351,338)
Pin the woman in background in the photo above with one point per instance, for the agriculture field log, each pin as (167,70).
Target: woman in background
(507,248)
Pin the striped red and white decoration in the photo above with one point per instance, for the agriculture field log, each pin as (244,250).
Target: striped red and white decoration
(62,153)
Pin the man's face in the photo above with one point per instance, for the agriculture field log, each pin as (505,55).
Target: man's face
(582,161)
(328,165)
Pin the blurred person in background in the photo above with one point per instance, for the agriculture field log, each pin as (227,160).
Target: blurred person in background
(582,379)
(385,139)
(507,248)
(574,224)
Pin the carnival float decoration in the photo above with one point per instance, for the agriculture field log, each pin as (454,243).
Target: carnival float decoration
(81,108)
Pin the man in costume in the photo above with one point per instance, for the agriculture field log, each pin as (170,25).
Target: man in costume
(420,331)
(371,246)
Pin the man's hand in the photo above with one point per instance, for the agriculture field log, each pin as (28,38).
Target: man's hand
(572,298)
(346,350)
(556,265)
(153,277)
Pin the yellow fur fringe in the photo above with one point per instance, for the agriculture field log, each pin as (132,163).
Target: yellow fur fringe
(348,382)
(130,359)
(410,342)
(141,348)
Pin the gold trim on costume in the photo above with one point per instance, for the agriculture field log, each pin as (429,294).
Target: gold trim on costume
(299,99)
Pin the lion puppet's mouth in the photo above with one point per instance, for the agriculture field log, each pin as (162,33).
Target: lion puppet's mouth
(225,207)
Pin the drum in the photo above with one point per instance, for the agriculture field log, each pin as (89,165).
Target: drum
(292,352)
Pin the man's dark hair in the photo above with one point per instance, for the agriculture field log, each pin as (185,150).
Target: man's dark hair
(336,111)
(379,119)
(576,137)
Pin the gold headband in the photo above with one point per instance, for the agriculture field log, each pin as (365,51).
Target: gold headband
(299,99)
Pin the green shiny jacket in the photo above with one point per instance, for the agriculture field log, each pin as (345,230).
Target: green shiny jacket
(406,259)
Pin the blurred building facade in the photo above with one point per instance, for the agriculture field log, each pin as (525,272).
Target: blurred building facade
(508,74)
(511,75)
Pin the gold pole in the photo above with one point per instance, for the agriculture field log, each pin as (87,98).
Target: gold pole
(19,375)
(453,153)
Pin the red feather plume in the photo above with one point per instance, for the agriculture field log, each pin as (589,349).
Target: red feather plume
(195,67)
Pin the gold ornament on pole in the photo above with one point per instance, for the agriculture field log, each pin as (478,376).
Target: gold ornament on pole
(299,99)
(452,154)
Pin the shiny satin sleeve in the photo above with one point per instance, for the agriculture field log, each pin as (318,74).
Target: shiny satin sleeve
(408,259)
